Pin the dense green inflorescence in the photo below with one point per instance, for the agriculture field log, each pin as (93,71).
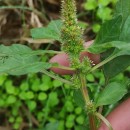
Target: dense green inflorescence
(71,32)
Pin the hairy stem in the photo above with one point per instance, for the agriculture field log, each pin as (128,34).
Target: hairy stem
(71,35)
(88,103)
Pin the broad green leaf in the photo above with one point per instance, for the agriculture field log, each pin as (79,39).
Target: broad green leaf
(109,31)
(14,60)
(52,31)
(119,58)
(122,8)
(22,50)
(118,46)
(125,33)
(120,64)
(12,67)
(111,94)
(119,30)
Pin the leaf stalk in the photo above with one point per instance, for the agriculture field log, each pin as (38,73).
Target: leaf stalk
(104,120)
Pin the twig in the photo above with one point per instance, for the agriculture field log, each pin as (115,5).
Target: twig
(104,120)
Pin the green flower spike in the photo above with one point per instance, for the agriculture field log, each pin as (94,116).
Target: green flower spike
(72,34)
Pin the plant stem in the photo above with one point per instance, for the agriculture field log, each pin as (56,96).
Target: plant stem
(104,120)
(83,88)
(102,63)
(56,77)
(92,122)
(88,103)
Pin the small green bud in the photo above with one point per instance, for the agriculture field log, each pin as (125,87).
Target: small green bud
(91,108)
(76,81)
(86,65)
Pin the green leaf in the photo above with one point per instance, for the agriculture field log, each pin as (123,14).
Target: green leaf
(11,99)
(57,83)
(31,105)
(16,61)
(53,99)
(117,29)
(90,78)
(36,85)
(69,106)
(96,27)
(52,31)
(90,5)
(30,95)
(2,79)
(78,110)
(78,98)
(23,95)
(125,33)
(116,66)
(104,13)
(120,51)
(109,31)
(111,94)
(42,96)
(122,8)
(120,48)
(52,126)
(24,86)
(120,54)
(80,120)
(70,121)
